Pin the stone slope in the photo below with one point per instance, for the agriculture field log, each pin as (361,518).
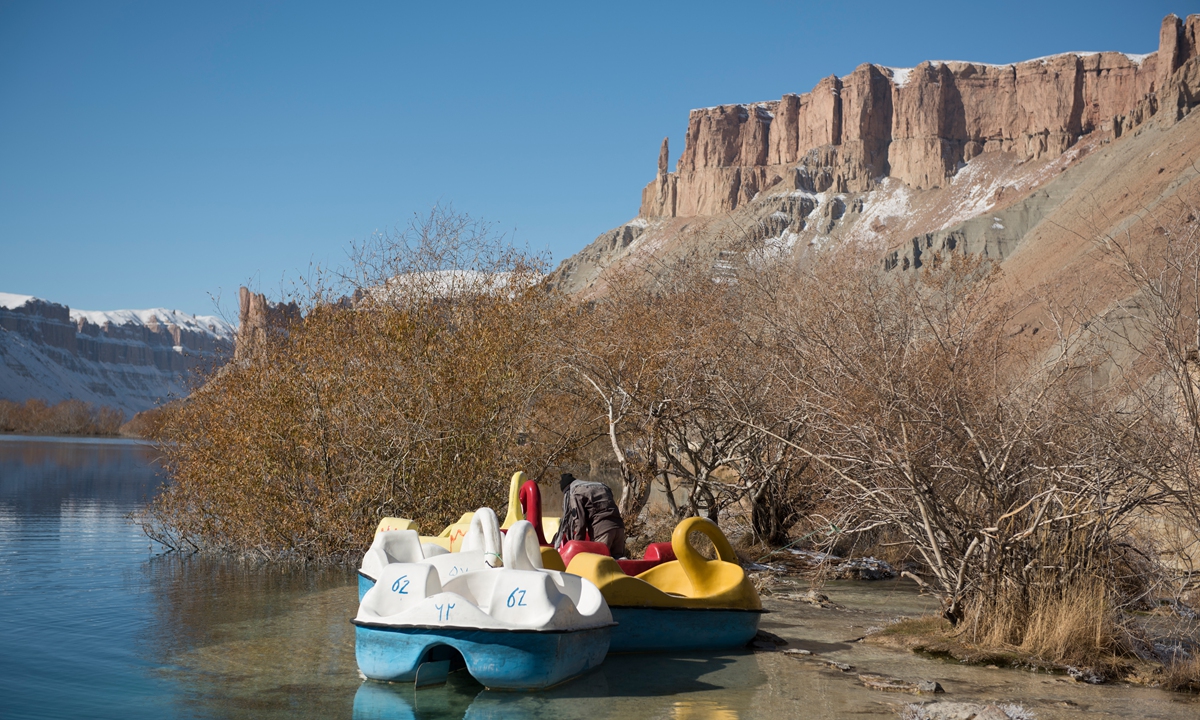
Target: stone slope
(898,158)
(128,359)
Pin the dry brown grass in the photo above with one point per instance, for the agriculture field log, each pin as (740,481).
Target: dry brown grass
(1182,674)
(1075,624)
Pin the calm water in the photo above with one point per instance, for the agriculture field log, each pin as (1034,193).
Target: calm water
(96,622)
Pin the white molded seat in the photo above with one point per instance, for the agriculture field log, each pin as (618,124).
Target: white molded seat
(521,595)
(480,549)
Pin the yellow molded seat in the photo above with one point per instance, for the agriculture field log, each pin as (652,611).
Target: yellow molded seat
(551,560)
(689,582)
(391,523)
(450,538)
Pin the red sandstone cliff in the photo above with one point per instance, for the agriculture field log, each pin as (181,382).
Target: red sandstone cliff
(966,157)
(257,317)
(916,125)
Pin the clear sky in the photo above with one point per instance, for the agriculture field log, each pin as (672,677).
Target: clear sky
(154,153)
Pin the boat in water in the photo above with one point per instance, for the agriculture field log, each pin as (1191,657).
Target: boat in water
(517,627)
(690,603)
(479,549)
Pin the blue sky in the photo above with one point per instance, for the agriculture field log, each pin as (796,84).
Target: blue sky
(154,154)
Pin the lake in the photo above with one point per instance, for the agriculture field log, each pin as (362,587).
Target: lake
(96,621)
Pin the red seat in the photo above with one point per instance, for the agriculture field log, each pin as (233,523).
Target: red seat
(531,505)
(656,554)
(571,548)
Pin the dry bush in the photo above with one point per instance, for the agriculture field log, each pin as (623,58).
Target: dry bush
(414,399)
(669,368)
(1156,336)
(145,424)
(69,417)
(987,458)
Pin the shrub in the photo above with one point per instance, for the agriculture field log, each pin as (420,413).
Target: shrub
(416,399)
(69,417)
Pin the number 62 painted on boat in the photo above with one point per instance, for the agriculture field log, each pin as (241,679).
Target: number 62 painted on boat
(398,588)
(514,601)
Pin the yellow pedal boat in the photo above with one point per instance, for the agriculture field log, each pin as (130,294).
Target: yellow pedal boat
(687,604)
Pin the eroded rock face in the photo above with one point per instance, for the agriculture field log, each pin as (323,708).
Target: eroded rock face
(917,125)
(127,359)
(257,317)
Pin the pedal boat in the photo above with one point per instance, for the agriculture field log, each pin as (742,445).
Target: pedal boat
(519,507)
(687,604)
(656,554)
(479,550)
(451,537)
(519,627)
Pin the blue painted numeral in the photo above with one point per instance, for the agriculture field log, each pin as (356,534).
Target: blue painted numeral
(514,600)
(444,611)
(398,588)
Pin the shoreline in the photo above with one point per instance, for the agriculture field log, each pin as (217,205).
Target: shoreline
(88,439)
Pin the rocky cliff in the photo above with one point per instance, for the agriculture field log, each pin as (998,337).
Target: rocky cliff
(917,125)
(258,317)
(129,359)
(890,155)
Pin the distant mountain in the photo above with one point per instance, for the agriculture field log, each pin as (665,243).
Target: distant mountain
(1000,160)
(128,359)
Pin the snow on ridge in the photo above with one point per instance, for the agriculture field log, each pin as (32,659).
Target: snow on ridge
(206,324)
(13,301)
(900,75)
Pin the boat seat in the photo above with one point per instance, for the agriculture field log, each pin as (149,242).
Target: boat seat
(656,554)
(690,581)
(571,548)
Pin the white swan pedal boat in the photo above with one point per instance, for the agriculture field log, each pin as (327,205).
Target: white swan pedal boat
(480,550)
(519,627)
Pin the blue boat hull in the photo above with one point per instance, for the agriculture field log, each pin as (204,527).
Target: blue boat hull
(364,584)
(505,659)
(645,629)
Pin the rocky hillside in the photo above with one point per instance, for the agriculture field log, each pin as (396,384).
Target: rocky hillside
(959,155)
(127,359)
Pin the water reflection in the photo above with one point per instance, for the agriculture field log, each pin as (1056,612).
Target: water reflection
(250,640)
(36,477)
(624,686)
(702,710)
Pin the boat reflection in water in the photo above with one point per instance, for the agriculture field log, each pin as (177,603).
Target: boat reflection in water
(626,685)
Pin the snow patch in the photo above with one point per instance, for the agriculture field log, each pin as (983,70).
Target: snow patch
(973,192)
(13,301)
(900,75)
(448,284)
(638,222)
(780,244)
(888,201)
